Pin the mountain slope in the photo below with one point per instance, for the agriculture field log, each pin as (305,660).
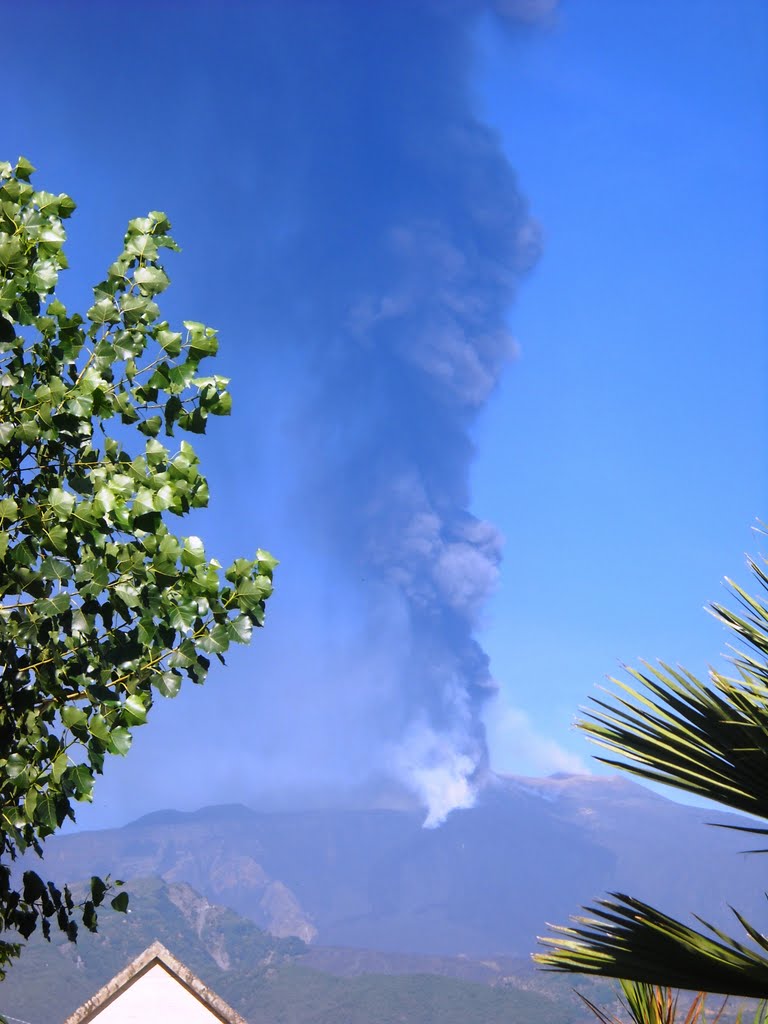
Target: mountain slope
(486,881)
(264,978)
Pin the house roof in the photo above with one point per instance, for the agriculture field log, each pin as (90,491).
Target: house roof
(155,954)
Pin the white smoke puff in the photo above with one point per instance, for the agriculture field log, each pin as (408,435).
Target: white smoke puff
(435,768)
(466,577)
(484,535)
(517,746)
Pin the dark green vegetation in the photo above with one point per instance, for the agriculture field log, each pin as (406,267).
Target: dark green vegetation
(264,978)
(101,605)
(707,738)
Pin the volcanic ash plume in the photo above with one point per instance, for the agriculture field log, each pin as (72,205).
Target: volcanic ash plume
(408,238)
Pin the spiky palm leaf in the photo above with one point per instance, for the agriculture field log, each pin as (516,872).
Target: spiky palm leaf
(705,738)
(710,739)
(655,1004)
(628,939)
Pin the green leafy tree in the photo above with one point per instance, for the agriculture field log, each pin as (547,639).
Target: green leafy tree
(102,606)
(709,738)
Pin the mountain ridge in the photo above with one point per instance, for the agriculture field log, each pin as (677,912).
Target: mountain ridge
(485,882)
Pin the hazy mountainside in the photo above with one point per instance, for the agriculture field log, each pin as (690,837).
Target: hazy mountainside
(52,979)
(531,851)
(266,979)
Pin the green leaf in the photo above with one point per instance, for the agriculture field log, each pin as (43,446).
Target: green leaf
(9,509)
(168,683)
(49,607)
(24,169)
(62,502)
(34,886)
(120,902)
(11,256)
(193,552)
(134,710)
(104,312)
(169,341)
(15,766)
(81,779)
(148,522)
(217,641)
(89,916)
(183,614)
(45,276)
(129,594)
(59,766)
(119,741)
(30,803)
(46,813)
(55,569)
(98,890)
(67,206)
(223,405)
(151,280)
(137,309)
(183,656)
(267,562)
(7,336)
(74,717)
(155,452)
(98,727)
(142,245)
(202,340)
(241,629)
(58,537)
(151,426)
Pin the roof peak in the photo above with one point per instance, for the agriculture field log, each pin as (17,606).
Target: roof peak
(156,953)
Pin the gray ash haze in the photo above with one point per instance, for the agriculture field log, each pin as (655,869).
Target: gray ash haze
(358,235)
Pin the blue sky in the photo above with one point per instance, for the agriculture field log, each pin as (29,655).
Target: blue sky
(352,187)
(624,455)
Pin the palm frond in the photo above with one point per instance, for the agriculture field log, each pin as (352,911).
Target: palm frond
(644,1003)
(708,738)
(704,738)
(628,939)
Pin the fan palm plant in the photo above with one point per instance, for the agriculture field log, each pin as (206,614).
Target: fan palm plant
(655,1004)
(709,738)
(658,1004)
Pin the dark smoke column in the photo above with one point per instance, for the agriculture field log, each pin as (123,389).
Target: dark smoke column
(408,238)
